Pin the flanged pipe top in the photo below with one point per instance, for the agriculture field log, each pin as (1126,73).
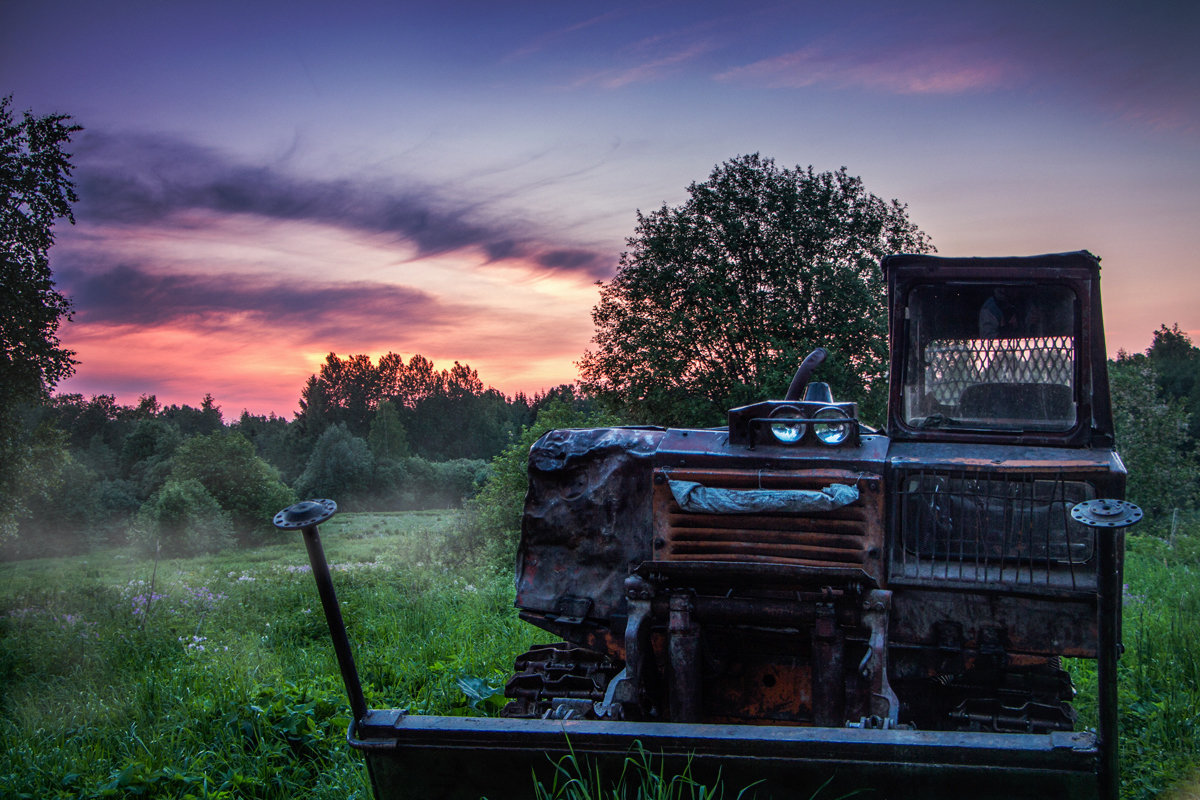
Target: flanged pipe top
(1104,513)
(305,514)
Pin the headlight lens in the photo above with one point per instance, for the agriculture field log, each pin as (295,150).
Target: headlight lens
(787,432)
(833,427)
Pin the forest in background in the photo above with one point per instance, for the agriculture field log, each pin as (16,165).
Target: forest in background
(372,435)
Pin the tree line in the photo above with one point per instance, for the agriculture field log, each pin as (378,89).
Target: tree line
(383,435)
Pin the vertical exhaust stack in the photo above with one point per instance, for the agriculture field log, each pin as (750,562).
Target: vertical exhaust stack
(807,367)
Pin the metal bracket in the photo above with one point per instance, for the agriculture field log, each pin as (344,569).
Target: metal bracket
(632,691)
(884,704)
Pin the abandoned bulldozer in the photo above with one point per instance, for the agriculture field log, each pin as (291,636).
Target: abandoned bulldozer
(798,600)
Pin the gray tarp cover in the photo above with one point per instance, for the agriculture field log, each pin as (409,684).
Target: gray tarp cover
(705,500)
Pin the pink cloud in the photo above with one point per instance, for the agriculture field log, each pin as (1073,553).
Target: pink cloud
(932,70)
(252,340)
(555,36)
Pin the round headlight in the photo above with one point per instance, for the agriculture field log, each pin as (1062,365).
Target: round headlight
(787,432)
(833,427)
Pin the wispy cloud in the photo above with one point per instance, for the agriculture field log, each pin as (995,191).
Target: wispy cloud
(156,180)
(566,32)
(126,295)
(1134,62)
(652,68)
(941,70)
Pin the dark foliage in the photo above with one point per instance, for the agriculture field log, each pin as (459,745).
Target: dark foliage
(35,191)
(1177,372)
(182,519)
(1156,397)
(438,415)
(718,299)
(244,485)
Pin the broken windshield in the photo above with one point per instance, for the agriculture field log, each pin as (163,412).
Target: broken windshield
(990,357)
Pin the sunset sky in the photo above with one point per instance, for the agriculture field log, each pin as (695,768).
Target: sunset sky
(263,183)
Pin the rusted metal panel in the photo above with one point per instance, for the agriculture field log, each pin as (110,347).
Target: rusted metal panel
(851,536)
(587,518)
(1032,625)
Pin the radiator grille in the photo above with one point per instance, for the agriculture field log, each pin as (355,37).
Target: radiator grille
(1001,528)
(846,537)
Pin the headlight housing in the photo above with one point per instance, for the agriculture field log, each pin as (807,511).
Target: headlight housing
(787,432)
(832,426)
(794,423)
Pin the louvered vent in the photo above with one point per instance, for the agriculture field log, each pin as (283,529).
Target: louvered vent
(850,536)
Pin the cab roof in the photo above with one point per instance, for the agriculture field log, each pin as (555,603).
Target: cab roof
(1078,258)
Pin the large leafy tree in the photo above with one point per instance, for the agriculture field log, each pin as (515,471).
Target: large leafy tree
(718,299)
(35,191)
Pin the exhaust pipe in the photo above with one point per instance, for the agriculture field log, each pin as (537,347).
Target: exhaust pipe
(807,367)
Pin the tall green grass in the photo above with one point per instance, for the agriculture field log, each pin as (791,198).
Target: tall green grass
(212,677)
(1159,673)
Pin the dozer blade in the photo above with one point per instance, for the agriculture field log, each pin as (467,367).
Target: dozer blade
(464,757)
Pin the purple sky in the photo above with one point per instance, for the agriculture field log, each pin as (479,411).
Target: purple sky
(263,183)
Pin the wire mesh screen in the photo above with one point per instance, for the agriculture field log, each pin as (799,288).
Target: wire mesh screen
(953,365)
(1008,529)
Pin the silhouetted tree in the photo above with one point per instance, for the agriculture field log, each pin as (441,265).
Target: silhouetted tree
(195,421)
(35,191)
(276,441)
(146,454)
(388,439)
(1176,364)
(445,414)
(718,299)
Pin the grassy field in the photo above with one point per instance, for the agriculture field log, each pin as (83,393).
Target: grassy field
(212,677)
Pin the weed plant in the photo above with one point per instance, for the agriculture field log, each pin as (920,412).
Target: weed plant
(642,777)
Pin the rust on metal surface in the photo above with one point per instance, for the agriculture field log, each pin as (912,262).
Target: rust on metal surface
(848,537)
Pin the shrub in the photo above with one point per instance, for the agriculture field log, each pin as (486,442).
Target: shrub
(183,519)
(390,485)
(232,473)
(341,468)
(442,484)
